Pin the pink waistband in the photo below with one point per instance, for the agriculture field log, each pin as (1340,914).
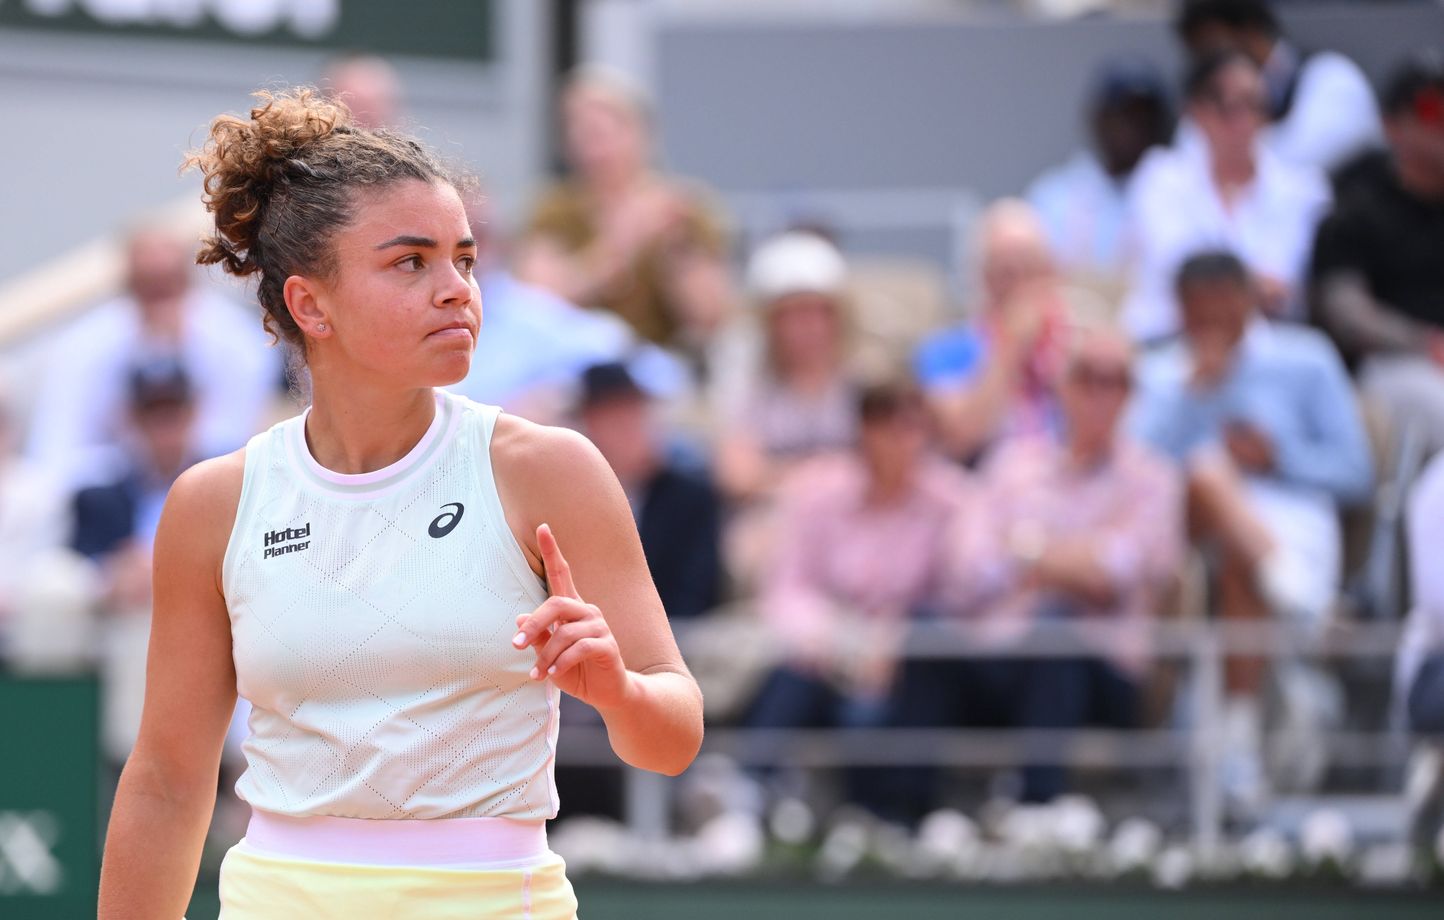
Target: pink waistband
(476,843)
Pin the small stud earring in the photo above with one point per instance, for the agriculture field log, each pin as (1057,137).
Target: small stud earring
(320,327)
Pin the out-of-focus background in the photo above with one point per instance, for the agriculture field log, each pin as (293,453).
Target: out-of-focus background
(1030,410)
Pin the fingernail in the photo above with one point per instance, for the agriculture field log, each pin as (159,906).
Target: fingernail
(535,674)
(519,639)
(552,669)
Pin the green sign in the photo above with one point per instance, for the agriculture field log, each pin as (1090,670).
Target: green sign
(431,28)
(49,866)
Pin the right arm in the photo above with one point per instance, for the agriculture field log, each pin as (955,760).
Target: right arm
(1343,302)
(1361,324)
(168,789)
(968,417)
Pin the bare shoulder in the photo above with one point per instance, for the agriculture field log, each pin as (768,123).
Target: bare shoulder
(524,453)
(554,476)
(200,508)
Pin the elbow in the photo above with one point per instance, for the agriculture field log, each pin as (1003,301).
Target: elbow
(676,758)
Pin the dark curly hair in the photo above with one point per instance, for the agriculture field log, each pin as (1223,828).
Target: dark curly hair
(281,184)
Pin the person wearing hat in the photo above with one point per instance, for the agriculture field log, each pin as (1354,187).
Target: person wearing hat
(677,507)
(788,391)
(114,523)
(158,445)
(1377,275)
(1083,202)
(796,397)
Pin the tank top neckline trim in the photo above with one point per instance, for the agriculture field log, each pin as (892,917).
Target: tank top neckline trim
(368,485)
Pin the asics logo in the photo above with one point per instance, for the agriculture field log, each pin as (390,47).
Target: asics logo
(446,522)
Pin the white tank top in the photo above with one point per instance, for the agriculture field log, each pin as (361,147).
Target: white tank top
(371,625)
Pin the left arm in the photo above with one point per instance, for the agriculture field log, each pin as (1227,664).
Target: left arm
(614,650)
(1332,454)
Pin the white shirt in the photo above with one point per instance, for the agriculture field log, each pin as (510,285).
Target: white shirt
(1334,114)
(371,624)
(1175,212)
(1424,630)
(1085,212)
(80,408)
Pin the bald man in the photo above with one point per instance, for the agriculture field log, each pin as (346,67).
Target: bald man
(995,375)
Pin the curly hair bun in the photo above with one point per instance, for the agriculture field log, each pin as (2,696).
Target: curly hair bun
(244,160)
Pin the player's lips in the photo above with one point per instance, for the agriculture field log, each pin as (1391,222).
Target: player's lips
(456,329)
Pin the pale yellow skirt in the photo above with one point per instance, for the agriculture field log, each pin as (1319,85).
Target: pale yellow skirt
(263,886)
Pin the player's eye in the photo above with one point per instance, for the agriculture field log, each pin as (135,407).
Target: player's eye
(411,263)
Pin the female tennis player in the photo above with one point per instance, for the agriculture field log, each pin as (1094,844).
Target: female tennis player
(382,576)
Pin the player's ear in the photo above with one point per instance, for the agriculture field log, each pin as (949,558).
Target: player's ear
(302,300)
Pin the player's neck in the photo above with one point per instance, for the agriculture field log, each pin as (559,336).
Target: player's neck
(363,429)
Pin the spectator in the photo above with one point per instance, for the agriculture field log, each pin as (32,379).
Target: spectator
(1267,426)
(1320,103)
(1229,192)
(114,525)
(32,520)
(678,509)
(1421,657)
(794,395)
(618,234)
(1378,276)
(993,378)
(1085,531)
(860,548)
(82,401)
(534,345)
(369,87)
(1083,203)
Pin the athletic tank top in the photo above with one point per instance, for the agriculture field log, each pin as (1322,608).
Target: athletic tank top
(371,623)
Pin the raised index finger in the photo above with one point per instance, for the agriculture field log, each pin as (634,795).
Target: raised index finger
(559,574)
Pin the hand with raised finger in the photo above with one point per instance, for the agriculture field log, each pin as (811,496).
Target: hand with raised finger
(574,645)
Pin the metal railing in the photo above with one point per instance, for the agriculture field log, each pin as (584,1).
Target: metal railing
(1194,747)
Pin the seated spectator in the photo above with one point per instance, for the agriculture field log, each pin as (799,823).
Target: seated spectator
(1229,192)
(81,404)
(534,346)
(794,395)
(677,507)
(1421,657)
(860,547)
(1085,531)
(617,234)
(114,525)
(1083,203)
(32,520)
(368,85)
(1378,276)
(1319,102)
(993,378)
(1265,421)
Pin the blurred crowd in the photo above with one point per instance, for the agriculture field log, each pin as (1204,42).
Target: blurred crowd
(1186,369)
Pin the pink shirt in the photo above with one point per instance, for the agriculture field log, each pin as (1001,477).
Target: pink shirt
(1130,509)
(839,554)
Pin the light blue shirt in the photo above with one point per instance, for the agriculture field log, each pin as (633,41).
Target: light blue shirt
(531,339)
(1288,382)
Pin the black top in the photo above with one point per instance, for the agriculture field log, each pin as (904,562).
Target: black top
(1392,238)
(680,522)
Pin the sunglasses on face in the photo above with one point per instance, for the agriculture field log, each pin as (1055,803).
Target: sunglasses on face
(1110,378)
(1234,106)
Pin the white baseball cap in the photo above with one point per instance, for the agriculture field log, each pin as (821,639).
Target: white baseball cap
(795,263)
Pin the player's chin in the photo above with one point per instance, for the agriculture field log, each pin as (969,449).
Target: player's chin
(447,369)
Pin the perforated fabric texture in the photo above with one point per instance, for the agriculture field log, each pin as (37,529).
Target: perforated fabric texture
(371,624)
